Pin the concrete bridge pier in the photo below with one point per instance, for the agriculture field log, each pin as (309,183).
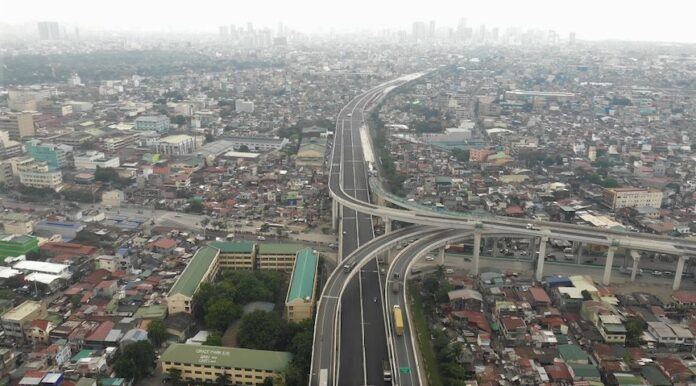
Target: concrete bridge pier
(606,279)
(678,274)
(387,225)
(578,252)
(636,259)
(334,214)
(496,247)
(540,259)
(442,255)
(340,232)
(477,252)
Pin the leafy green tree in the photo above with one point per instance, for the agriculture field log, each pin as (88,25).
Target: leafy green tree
(175,376)
(223,379)
(136,361)
(220,313)
(157,332)
(244,148)
(634,330)
(213,339)
(586,295)
(260,330)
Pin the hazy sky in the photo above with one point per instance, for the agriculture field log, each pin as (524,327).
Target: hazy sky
(663,20)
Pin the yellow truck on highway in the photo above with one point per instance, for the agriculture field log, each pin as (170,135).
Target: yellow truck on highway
(398,321)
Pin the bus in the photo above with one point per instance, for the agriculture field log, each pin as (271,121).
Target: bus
(323,377)
(398,321)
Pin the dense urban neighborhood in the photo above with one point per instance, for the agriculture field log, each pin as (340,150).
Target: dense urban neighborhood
(170,213)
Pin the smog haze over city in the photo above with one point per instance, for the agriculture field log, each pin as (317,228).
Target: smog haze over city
(368,193)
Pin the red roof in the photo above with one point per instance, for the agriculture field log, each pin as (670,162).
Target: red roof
(474,318)
(97,277)
(539,295)
(101,332)
(41,324)
(684,296)
(164,243)
(512,322)
(558,371)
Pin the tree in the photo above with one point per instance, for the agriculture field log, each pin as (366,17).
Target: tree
(204,224)
(175,376)
(223,379)
(260,330)
(634,331)
(586,295)
(195,206)
(220,312)
(244,148)
(136,361)
(157,332)
(213,339)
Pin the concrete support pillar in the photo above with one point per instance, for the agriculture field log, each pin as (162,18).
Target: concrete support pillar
(678,274)
(541,258)
(578,253)
(606,279)
(477,252)
(531,249)
(442,255)
(495,251)
(634,271)
(387,225)
(334,214)
(340,232)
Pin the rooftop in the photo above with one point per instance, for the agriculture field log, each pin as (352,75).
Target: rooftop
(302,283)
(227,357)
(235,247)
(22,311)
(189,280)
(280,249)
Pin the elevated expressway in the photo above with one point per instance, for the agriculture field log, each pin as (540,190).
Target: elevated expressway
(353,210)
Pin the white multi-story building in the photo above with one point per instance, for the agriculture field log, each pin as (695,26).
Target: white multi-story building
(243,106)
(175,145)
(158,123)
(90,160)
(38,174)
(258,143)
(633,198)
(119,142)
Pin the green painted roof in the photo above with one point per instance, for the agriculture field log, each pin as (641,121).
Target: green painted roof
(302,284)
(654,376)
(235,247)
(81,354)
(227,357)
(585,371)
(155,311)
(280,249)
(188,281)
(572,353)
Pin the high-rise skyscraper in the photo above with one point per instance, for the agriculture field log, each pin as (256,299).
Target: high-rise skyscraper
(224,31)
(571,38)
(431,29)
(49,30)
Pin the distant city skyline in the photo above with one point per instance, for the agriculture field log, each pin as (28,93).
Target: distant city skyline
(590,20)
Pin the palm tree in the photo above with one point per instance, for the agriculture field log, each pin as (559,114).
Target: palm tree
(204,224)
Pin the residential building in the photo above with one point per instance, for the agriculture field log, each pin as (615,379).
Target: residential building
(18,227)
(38,330)
(258,143)
(618,198)
(49,30)
(671,334)
(175,145)
(300,301)
(277,257)
(199,364)
(13,245)
(116,143)
(18,125)
(55,155)
(38,174)
(158,123)
(243,106)
(6,176)
(27,98)
(202,268)
(514,328)
(91,160)
(15,321)
(611,328)
(8,147)
(113,198)
(237,255)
